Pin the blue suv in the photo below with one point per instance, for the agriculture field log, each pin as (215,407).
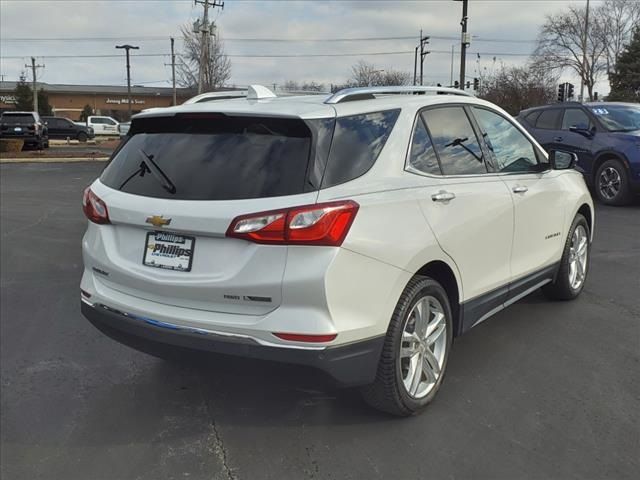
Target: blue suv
(606,138)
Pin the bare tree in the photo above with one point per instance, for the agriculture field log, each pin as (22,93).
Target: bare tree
(293,86)
(217,68)
(365,74)
(518,88)
(560,46)
(618,18)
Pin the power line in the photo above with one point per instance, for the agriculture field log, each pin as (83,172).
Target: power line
(267,39)
(284,55)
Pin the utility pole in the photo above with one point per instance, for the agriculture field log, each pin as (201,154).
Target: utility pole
(464,42)
(205,31)
(584,53)
(127,48)
(415,66)
(423,53)
(34,67)
(453,53)
(173,72)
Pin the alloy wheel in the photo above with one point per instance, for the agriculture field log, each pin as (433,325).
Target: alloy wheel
(578,257)
(609,183)
(423,348)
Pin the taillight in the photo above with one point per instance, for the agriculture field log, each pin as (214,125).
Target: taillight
(318,224)
(94,208)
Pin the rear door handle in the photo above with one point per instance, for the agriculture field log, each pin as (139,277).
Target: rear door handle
(557,139)
(520,189)
(443,196)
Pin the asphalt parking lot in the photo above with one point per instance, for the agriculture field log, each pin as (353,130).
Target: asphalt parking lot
(542,390)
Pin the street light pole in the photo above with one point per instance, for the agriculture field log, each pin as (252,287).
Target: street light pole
(127,48)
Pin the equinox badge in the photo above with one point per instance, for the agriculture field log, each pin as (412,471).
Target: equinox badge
(158,221)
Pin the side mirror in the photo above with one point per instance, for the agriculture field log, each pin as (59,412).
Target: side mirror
(561,160)
(582,129)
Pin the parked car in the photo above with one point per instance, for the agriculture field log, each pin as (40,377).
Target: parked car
(604,136)
(357,234)
(63,128)
(27,126)
(123,129)
(103,125)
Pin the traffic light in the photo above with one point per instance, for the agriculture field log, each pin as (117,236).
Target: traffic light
(468,84)
(476,83)
(456,84)
(561,93)
(570,89)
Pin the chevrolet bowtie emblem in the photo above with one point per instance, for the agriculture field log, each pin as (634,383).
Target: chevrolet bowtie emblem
(158,221)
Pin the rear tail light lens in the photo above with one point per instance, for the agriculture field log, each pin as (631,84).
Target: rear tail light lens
(94,208)
(324,224)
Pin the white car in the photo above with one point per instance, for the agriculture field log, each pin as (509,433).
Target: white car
(103,125)
(357,234)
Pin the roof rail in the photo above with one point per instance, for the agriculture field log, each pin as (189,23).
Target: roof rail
(367,93)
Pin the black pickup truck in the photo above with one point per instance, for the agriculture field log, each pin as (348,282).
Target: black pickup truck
(63,128)
(27,126)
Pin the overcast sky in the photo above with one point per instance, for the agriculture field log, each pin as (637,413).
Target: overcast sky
(501,28)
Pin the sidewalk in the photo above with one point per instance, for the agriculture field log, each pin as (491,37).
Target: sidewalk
(53,159)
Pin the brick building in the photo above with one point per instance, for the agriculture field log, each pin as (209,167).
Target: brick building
(69,100)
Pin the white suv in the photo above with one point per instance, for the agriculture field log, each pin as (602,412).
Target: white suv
(357,234)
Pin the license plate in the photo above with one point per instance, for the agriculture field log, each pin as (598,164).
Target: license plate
(17,129)
(169,250)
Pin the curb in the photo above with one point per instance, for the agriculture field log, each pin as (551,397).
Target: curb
(53,160)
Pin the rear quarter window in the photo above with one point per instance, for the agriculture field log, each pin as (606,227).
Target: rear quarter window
(357,143)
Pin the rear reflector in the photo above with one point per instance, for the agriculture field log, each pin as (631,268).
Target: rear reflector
(317,224)
(298,337)
(94,208)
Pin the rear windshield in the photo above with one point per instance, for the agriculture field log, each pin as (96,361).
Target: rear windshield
(17,118)
(212,157)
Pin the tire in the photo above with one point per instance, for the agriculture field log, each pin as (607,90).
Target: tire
(82,137)
(611,183)
(389,393)
(563,287)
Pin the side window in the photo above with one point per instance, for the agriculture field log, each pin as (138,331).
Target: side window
(357,142)
(422,156)
(96,121)
(548,119)
(532,117)
(108,121)
(512,151)
(455,141)
(574,117)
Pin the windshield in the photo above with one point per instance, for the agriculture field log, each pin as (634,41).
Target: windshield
(618,118)
(17,118)
(212,157)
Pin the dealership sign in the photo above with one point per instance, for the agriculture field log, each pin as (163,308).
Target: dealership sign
(123,101)
(8,99)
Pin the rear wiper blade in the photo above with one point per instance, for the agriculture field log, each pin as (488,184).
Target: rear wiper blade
(152,167)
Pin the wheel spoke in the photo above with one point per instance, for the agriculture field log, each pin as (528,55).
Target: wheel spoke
(416,374)
(437,328)
(430,365)
(582,247)
(580,269)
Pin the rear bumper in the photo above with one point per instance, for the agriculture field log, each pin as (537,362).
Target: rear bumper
(25,138)
(349,365)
